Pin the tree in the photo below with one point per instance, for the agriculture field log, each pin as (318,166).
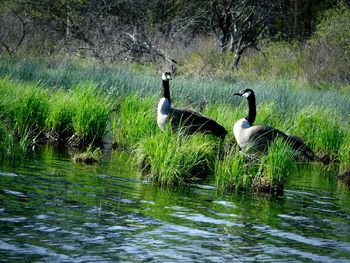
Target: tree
(239,24)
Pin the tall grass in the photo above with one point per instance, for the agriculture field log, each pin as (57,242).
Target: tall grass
(260,173)
(321,128)
(134,120)
(275,166)
(12,146)
(59,120)
(91,114)
(231,173)
(25,106)
(174,158)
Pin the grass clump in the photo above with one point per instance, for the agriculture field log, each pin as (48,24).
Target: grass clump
(171,158)
(275,167)
(322,130)
(89,156)
(264,173)
(91,113)
(12,146)
(231,173)
(59,120)
(25,106)
(134,120)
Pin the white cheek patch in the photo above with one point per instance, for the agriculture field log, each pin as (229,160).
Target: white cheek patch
(166,76)
(246,94)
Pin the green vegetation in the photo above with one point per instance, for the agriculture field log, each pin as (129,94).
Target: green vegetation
(78,104)
(12,146)
(323,130)
(134,120)
(175,159)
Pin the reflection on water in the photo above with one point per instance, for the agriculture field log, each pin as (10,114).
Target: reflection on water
(52,209)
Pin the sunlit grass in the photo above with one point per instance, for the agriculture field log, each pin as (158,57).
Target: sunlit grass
(91,113)
(135,119)
(59,120)
(175,159)
(321,128)
(14,146)
(230,172)
(275,167)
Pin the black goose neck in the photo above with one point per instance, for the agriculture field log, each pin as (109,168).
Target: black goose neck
(252,109)
(166,89)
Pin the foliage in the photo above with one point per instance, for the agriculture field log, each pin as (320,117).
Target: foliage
(327,55)
(24,106)
(14,147)
(59,120)
(231,173)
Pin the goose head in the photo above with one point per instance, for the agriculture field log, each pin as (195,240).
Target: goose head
(245,93)
(166,76)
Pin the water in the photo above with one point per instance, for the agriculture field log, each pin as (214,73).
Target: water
(53,210)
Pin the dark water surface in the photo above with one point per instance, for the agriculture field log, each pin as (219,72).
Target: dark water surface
(53,210)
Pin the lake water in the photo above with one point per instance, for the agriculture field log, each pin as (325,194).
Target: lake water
(54,210)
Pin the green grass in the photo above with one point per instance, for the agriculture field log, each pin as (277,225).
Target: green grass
(275,166)
(12,146)
(322,129)
(91,113)
(173,158)
(135,119)
(59,120)
(230,172)
(24,106)
(75,102)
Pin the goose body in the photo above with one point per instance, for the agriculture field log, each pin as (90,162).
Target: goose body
(258,137)
(191,121)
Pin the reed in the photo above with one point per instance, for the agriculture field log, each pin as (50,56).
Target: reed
(25,106)
(60,115)
(12,146)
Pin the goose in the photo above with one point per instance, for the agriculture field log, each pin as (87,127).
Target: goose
(258,137)
(181,118)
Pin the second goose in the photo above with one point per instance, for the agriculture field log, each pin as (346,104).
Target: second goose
(258,137)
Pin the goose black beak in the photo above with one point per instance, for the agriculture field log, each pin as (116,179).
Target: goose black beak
(237,94)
